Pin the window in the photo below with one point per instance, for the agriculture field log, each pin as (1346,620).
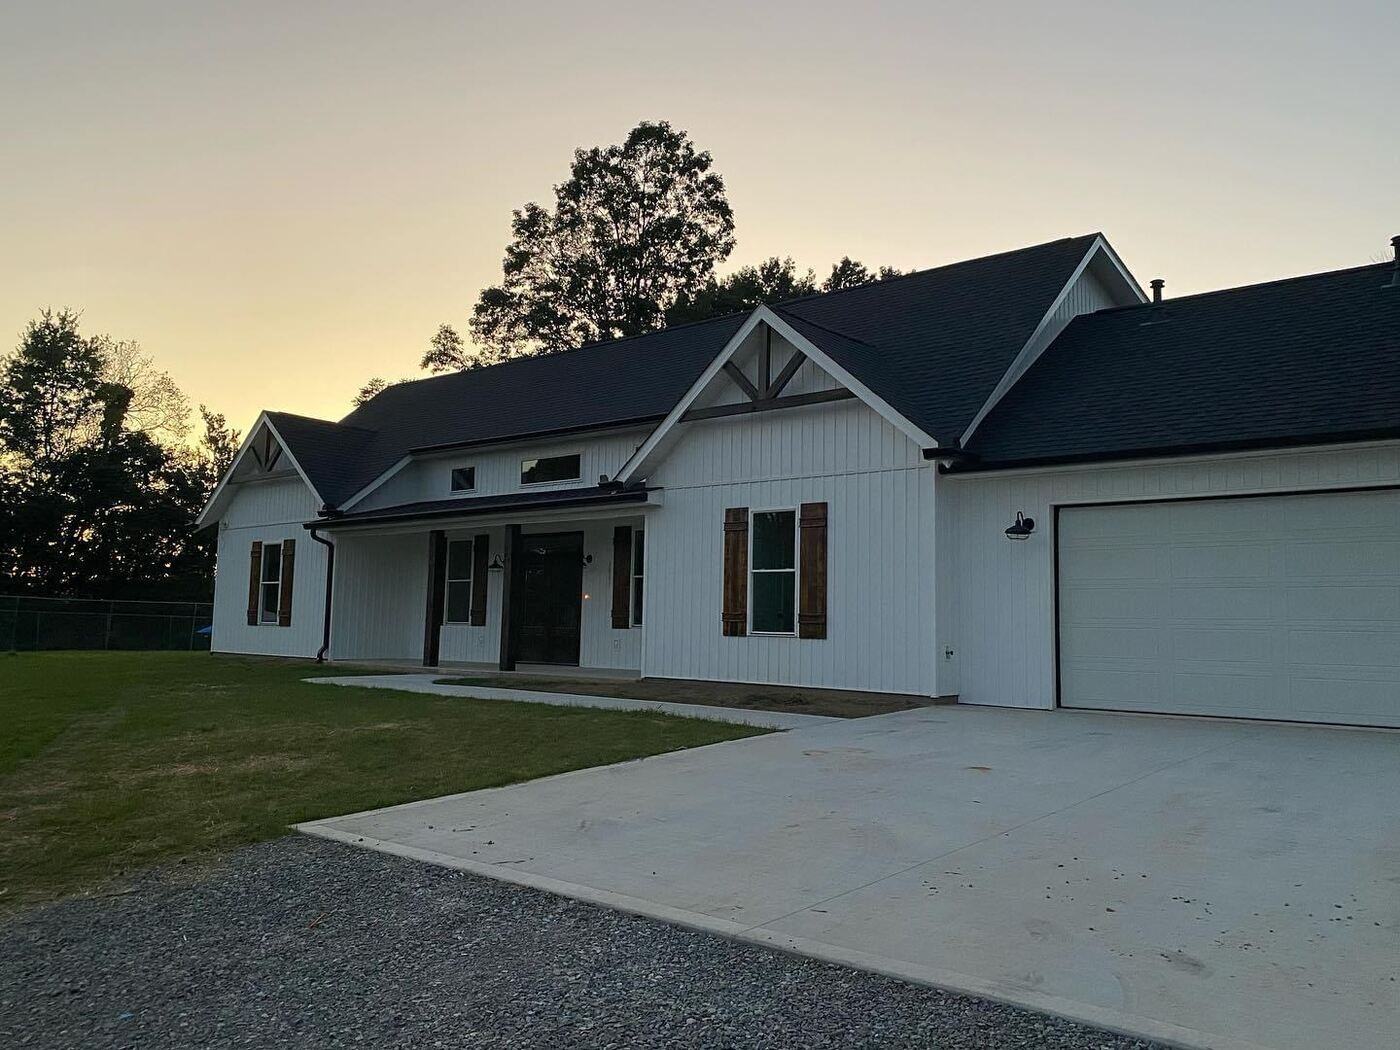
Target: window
(773,567)
(271,582)
(638,562)
(549,468)
(463,479)
(457,593)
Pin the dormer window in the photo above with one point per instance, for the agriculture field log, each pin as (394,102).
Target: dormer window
(463,479)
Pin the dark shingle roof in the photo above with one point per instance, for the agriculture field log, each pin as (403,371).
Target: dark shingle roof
(1305,359)
(933,344)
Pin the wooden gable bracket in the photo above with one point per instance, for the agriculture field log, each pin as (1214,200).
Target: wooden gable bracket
(769,398)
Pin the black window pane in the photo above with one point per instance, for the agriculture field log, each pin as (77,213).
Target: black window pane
(773,538)
(463,479)
(269,601)
(638,548)
(551,468)
(459,560)
(637,601)
(774,601)
(459,601)
(272,562)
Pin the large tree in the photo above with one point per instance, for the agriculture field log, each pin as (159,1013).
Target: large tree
(635,227)
(774,280)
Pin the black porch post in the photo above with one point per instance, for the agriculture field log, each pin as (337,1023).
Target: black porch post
(510,583)
(432,618)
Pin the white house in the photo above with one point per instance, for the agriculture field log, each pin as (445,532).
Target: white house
(1014,480)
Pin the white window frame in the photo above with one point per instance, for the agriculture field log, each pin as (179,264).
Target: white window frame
(264,583)
(557,481)
(796,569)
(448,579)
(451,486)
(638,577)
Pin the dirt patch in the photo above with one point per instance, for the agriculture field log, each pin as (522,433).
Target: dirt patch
(837,703)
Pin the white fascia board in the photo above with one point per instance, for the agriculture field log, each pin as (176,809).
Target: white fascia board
(1046,331)
(763,315)
(380,480)
(207,516)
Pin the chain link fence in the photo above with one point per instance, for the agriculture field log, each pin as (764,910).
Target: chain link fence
(75,623)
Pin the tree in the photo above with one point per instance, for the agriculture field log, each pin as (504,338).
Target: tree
(772,281)
(158,407)
(49,386)
(369,391)
(635,227)
(850,274)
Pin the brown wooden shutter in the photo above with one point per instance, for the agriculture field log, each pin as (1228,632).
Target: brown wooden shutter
(811,599)
(622,577)
(284,598)
(481,551)
(734,619)
(437,585)
(254,582)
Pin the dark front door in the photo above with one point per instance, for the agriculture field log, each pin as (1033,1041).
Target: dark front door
(551,598)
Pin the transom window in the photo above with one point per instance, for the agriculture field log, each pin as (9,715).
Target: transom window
(463,479)
(638,564)
(550,468)
(457,591)
(773,572)
(271,582)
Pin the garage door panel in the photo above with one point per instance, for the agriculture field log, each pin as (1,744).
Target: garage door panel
(1322,558)
(1343,603)
(1265,607)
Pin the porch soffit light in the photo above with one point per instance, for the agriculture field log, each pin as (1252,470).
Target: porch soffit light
(1021,528)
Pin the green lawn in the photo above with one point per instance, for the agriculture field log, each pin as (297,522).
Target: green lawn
(113,761)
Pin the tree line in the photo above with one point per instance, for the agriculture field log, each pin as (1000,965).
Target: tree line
(631,245)
(99,486)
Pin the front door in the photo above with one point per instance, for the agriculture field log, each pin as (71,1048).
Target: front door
(551,598)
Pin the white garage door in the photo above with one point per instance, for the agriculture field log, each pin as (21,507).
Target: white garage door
(1282,607)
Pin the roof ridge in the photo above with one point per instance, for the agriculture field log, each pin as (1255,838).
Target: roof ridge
(1247,287)
(934,269)
(318,419)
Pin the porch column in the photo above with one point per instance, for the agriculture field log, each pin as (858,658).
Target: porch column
(432,620)
(510,583)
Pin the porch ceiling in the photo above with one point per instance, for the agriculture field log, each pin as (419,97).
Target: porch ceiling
(592,497)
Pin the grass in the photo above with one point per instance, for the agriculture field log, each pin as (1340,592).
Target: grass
(110,762)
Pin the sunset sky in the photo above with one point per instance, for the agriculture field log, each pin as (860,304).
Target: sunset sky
(280,200)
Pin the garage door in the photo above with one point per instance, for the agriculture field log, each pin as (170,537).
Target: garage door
(1283,607)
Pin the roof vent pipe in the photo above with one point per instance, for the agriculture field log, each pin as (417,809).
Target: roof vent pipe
(1157,285)
(1395,280)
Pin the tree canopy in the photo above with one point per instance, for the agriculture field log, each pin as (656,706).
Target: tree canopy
(97,495)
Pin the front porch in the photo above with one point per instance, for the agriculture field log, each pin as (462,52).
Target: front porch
(554,590)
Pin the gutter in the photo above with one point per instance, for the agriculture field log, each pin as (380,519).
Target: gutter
(330,579)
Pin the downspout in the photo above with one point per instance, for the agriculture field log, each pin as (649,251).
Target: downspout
(330,578)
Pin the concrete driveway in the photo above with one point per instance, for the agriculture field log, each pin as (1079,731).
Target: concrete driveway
(1209,883)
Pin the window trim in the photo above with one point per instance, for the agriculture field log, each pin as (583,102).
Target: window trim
(796,569)
(448,579)
(264,619)
(578,476)
(636,576)
(451,485)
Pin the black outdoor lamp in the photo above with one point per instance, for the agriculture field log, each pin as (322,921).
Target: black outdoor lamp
(1021,528)
(496,564)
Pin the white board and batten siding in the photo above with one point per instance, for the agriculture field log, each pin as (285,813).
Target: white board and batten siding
(268,511)
(498,469)
(880,582)
(1003,592)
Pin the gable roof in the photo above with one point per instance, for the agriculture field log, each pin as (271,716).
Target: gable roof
(932,345)
(1306,360)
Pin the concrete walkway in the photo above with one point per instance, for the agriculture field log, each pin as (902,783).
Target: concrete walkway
(427,683)
(1205,883)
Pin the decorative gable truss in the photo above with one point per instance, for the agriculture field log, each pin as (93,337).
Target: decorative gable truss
(264,455)
(767,366)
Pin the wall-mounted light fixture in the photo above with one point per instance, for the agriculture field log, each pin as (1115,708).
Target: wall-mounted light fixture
(496,564)
(1021,528)
(587,560)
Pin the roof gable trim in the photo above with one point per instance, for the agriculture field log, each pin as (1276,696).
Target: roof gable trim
(219,497)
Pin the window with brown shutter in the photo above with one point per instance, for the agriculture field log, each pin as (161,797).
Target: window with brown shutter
(284,597)
(622,577)
(811,610)
(734,614)
(254,582)
(481,550)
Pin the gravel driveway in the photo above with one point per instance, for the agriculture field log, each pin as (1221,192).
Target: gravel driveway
(314,944)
